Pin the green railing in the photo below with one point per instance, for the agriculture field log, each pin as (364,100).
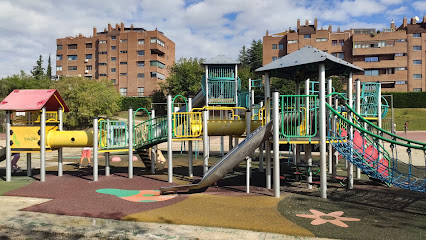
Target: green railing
(113,134)
(299,114)
(150,132)
(243,99)
(221,91)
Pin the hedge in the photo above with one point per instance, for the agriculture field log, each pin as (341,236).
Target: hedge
(408,99)
(135,103)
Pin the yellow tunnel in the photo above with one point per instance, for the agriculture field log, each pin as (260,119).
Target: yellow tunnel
(56,139)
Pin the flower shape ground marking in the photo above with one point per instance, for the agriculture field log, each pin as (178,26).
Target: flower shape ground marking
(333,217)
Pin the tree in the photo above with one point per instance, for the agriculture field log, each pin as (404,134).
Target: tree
(243,57)
(255,54)
(184,77)
(282,85)
(49,69)
(87,98)
(38,70)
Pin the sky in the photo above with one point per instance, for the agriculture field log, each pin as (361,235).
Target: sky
(202,29)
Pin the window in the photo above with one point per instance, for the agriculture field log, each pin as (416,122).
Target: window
(417,35)
(333,42)
(371,59)
(113,37)
(123,63)
(114,81)
(102,41)
(113,69)
(341,55)
(292,41)
(102,53)
(158,41)
(280,46)
(141,75)
(141,41)
(321,40)
(123,40)
(274,58)
(400,54)
(158,75)
(123,92)
(103,74)
(113,59)
(401,40)
(89,67)
(371,72)
(123,74)
(390,71)
(307,36)
(157,64)
(123,51)
(141,64)
(103,64)
(417,89)
(58,57)
(400,68)
(72,57)
(88,45)
(72,46)
(141,52)
(88,56)
(417,76)
(58,68)
(400,82)
(417,62)
(58,47)
(113,47)
(417,48)
(72,68)
(141,91)
(341,42)
(274,46)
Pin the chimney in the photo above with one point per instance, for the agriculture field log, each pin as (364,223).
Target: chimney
(424,19)
(393,25)
(329,28)
(338,29)
(122,27)
(298,24)
(109,27)
(315,23)
(306,22)
(131,26)
(80,35)
(267,32)
(404,22)
(117,27)
(413,20)
(95,32)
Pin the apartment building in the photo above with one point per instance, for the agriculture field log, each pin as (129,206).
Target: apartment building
(394,56)
(133,59)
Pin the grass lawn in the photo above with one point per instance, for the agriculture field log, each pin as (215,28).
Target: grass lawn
(416,118)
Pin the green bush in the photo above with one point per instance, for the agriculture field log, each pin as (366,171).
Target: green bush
(135,103)
(408,99)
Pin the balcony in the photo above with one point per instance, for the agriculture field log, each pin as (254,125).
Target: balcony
(397,47)
(397,76)
(398,62)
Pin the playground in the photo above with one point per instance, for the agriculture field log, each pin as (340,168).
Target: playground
(318,164)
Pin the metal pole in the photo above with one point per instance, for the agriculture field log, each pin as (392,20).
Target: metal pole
(154,148)
(275,117)
(60,159)
(8,148)
(350,168)
(95,149)
(190,161)
(322,131)
(205,142)
(267,143)
(336,153)
(222,152)
(29,170)
(207,85)
(330,148)
(170,138)
(107,167)
(43,145)
(358,110)
(379,107)
(236,85)
(130,142)
(261,148)
(248,165)
(308,160)
(308,107)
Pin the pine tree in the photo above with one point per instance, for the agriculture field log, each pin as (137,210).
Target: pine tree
(49,69)
(38,70)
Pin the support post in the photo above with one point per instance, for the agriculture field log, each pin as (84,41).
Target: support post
(236,85)
(322,131)
(8,147)
(379,106)
(248,165)
(205,142)
(190,159)
(130,142)
(207,85)
(350,168)
(60,155)
(308,160)
(336,153)
(276,137)
(107,167)
(95,149)
(154,148)
(267,143)
(222,150)
(170,138)
(330,148)
(308,107)
(261,148)
(29,169)
(358,110)
(43,145)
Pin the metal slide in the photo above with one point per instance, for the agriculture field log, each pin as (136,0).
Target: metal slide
(230,160)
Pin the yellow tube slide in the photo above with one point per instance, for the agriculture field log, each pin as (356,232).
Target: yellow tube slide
(56,139)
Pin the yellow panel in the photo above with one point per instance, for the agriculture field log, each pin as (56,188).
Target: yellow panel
(28,136)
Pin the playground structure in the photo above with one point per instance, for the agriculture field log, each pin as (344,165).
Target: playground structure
(222,109)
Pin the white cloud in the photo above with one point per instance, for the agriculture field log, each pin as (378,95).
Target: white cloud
(420,6)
